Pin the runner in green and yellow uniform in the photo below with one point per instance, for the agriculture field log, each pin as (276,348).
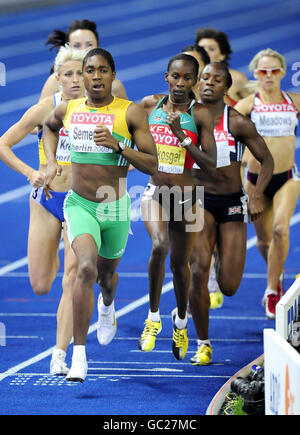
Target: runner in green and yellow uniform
(102,131)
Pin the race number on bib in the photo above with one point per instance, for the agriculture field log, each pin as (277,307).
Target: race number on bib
(223,150)
(223,154)
(170,159)
(81,131)
(63,147)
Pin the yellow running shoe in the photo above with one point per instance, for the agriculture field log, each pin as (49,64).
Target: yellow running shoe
(180,342)
(148,337)
(216,300)
(180,339)
(203,356)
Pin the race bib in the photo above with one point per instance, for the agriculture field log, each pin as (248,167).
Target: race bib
(223,150)
(170,159)
(63,147)
(81,131)
(223,154)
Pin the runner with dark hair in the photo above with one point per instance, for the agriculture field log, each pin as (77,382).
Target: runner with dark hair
(225,203)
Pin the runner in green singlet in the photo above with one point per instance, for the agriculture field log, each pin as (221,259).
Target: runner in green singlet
(102,131)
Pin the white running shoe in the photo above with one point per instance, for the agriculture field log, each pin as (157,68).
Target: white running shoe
(107,324)
(78,371)
(58,366)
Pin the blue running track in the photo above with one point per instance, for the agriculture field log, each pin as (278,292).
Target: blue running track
(142,35)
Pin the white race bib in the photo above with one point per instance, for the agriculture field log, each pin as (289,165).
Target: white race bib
(82,128)
(63,147)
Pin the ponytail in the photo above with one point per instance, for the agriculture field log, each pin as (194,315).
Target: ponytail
(57,39)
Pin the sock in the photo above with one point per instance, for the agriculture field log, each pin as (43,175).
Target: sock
(154,317)
(205,342)
(269,291)
(180,323)
(79,352)
(59,353)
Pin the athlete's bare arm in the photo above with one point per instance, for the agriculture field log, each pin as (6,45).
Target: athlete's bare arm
(33,117)
(50,140)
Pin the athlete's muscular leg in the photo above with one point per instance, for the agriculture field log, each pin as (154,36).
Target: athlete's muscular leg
(200,261)
(156,223)
(43,243)
(231,255)
(285,201)
(86,252)
(181,244)
(65,308)
(264,225)
(107,278)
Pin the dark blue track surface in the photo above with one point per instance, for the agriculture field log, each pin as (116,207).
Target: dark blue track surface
(142,35)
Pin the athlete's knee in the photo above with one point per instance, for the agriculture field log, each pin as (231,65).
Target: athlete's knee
(280,232)
(229,286)
(199,268)
(199,273)
(262,244)
(41,286)
(195,257)
(87,271)
(160,247)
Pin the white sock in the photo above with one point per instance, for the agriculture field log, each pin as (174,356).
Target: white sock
(180,323)
(79,352)
(154,317)
(205,342)
(105,309)
(269,291)
(59,353)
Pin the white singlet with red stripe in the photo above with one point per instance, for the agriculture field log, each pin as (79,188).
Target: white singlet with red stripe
(275,119)
(228,148)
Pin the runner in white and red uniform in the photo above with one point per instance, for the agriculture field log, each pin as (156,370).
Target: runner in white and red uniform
(275,114)
(225,203)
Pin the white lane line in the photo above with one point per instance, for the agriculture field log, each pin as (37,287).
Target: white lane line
(125,310)
(19,263)
(215,340)
(214,317)
(139,362)
(28,337)
(29,362)
(102,13)
(145,275)
(160,39)
(28,314)
(11,195)
(163,316)
(155,369)
(58,379)
(193,339)
(23,261)
(14,265)
(147,21)
(147,69)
